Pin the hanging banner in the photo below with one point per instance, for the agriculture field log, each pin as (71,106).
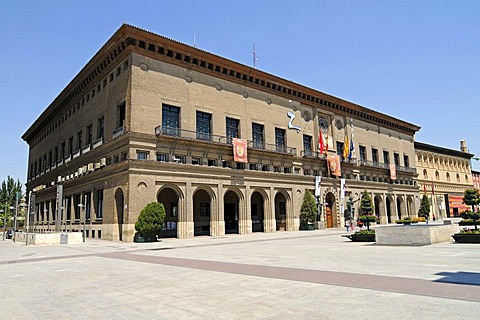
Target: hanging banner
(342,189)
(393,172)
(333,161)
(318,180)
(240,150)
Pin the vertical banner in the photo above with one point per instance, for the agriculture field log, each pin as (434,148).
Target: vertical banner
(334,165)
(239,150)
(318,180)
(393,172)
(342,188)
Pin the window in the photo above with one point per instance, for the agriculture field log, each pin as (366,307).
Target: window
(88,202)
(89,135)
(56,155)
(197,161)
(363,153)
(226,164)
(79,140)
(121,114)
(406,161)
(162,157)
(204,125)
(142,155)
(101,128)
(50,159)
(425,174)
(253,166)
(99,204)
(448,177)
(204,209)
(265,167)
(170,120)
(232,129)
(437,175)
(340,149)
(396,159)
(68,205)
(258,136)
(307,145)
(76,202)
(386,157)
(63,150)
(212,162)
(375,155)
(280,142)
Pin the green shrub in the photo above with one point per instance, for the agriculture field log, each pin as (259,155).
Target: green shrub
(150,221)
(365,232)
(466,222)
(406,220)
(308,212)
(469,231)
(419,219)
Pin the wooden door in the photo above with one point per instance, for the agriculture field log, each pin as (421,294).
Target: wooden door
(329,217)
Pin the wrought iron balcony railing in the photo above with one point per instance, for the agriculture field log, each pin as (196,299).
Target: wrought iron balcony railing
(194,135)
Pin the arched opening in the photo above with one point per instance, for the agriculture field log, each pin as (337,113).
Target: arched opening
(410,207)
(230,209)
(119,206)
(281,211)
(257,209)
(400,207)
(379,208)
(201,213)
(169,198)
(330,204)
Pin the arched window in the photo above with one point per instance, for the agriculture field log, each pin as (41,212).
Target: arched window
(458,177)
(437,175)
(448,177)
(466,178)
(425,174)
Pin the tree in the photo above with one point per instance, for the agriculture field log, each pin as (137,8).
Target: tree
(471,197)
(424,210)
(366,209)
(8,196)
(151,219)
(308,212)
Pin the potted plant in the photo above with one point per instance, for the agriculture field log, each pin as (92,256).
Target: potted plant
(308,212)
(150,222)
(406,221)
(362,236)
(471,197)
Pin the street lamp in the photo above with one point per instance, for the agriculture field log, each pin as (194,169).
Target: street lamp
(82,208)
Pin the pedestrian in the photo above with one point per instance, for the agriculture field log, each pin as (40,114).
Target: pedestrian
(347,225)
(352,225)
(434,218)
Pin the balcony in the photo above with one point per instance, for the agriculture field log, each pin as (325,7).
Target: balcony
(98,142)
(406,169)
(194,135)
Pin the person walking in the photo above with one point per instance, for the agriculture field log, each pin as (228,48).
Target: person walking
(347,225)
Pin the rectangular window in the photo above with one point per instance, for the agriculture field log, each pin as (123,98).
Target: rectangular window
(88,205)
(232,129)
(406,161)
(204,125)
(101,128)
(162,157)
(375,155)
(56,155)
(396,159)
(253,166)
(212,162)
(76,202)
(121,112)
(99,205)
(89,135)
(265,167)
(386,157)
(68,207)
(340,149)
(197,161)
(307,145)
(50,159)
(142,155)
(79,140)
(363,153)
(63,150)
(258,136)
(170,120)
(280,140)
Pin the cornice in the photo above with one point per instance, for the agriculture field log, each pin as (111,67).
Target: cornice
(129,39)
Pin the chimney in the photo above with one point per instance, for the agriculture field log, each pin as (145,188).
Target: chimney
(463,146)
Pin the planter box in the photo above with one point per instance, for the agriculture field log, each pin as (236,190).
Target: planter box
(362,237)
(466,238)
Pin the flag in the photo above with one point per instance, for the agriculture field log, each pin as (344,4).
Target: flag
(433,191)
(393,172)
(239,150)
(351,154)
(321,143)
(326,143)
(346,147)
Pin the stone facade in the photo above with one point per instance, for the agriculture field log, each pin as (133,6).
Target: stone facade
(443,175)
(150,119)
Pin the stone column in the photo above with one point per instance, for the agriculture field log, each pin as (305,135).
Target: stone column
(270,224)
(185,225)
(217,218)
(244,214)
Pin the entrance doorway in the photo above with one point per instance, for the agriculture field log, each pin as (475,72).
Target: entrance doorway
(169,198)
(230,212)
(330,200)
(201,214)
(257,211)
(119,205)
(281,212)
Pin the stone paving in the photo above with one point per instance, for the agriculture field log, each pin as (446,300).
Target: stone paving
(284,275)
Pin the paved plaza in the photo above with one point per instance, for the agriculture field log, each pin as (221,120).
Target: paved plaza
(284,275)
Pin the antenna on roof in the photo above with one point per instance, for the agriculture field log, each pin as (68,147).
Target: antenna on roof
(255,58)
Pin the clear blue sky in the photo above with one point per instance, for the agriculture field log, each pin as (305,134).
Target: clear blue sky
(418,61)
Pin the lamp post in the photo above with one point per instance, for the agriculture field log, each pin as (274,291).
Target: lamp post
(4,220)
(82,208)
